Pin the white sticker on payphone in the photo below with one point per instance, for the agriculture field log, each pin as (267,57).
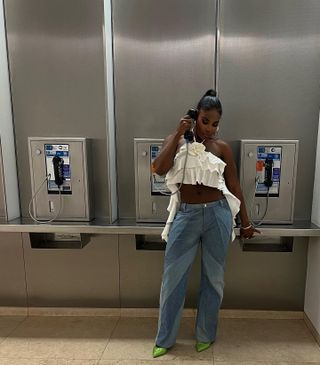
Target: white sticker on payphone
(268,169)
(62,151)
(158,183)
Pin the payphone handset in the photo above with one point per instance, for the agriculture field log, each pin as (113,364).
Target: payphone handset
(189,135)
(268,163)
(58,168)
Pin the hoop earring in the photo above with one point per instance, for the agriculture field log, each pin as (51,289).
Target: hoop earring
(217,131)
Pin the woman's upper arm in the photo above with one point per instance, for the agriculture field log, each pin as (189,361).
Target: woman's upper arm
(161,164)
(166,141)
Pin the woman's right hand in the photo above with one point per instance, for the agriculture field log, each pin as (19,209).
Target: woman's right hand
(184,125)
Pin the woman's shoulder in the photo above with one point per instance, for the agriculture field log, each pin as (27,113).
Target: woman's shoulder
(225,150)
(220,142)
(219,147)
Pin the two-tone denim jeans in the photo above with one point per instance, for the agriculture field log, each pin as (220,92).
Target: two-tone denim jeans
(209,226)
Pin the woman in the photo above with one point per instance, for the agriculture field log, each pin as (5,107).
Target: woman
(205,198)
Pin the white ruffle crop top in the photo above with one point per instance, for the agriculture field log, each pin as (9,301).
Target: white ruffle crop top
(202,167)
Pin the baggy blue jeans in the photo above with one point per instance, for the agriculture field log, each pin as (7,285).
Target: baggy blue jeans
(207,225)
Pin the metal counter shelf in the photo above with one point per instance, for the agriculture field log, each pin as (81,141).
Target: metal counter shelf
(129,226)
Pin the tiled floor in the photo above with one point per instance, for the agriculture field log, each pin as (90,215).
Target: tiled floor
(128,341)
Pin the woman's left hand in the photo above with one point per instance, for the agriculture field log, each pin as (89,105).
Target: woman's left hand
(248,232)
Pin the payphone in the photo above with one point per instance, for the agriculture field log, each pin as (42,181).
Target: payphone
(268,170)
(151,189)
(60,179)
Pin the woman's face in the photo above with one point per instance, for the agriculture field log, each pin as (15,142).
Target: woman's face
(207,123)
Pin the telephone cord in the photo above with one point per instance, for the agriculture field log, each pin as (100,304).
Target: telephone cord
(253,196)
(266,210)
(252,204)
(33,197)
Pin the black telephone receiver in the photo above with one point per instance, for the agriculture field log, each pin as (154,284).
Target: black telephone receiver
(268,172)
(193,114)
(58,170)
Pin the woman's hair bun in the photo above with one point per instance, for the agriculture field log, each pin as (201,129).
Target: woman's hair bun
(211,92)
(210,101)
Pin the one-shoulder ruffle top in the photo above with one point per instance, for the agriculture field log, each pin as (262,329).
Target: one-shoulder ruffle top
(202,167)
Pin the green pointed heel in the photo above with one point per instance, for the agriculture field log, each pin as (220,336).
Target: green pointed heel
(159,351)
(201,346)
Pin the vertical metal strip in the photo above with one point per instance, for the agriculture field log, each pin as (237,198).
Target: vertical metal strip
(23,238)
(110,110)
(8,138)
(217,48)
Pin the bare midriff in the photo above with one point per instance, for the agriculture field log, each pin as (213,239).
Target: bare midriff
(195,194)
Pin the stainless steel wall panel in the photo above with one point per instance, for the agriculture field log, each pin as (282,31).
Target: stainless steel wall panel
(269,78)
(87,277)
(164,61)
(12,273)
(57,72)
(266,281)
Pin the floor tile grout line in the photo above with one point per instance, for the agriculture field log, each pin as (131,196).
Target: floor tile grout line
(312,330)
(15,328)
(112,332)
